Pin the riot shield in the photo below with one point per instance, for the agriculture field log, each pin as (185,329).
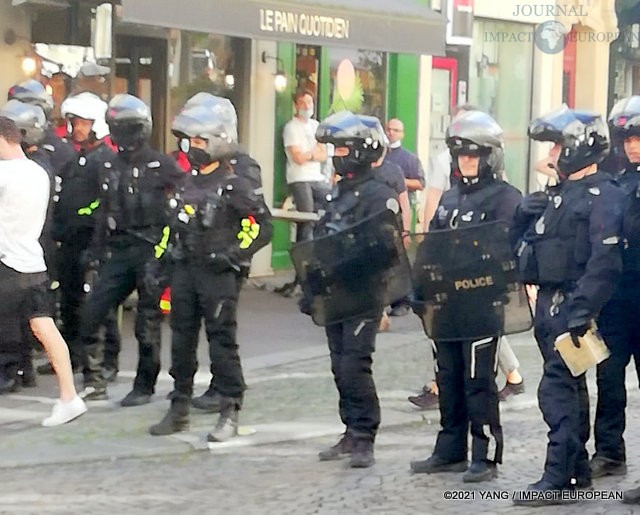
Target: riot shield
(354,272)
(466,284)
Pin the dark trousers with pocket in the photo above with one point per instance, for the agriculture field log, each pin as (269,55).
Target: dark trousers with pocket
(351,347)
(563,398)
(466,373)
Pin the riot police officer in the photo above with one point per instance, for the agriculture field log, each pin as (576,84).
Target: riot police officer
(567,243)
(244,166)
(33,92)
(359,142)
(74,217)
(619,322)
(131,228)
(220,222)
(465,369)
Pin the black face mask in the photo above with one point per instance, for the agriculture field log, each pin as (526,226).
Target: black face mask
(345,166)
(198,157)
(128,137)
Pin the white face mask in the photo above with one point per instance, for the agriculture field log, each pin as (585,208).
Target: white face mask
(395,144)
(306,113)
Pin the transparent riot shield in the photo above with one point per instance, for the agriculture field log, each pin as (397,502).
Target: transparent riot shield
(466,284)
(354,272)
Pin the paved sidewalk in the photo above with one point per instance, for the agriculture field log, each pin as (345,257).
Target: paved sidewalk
(290,412)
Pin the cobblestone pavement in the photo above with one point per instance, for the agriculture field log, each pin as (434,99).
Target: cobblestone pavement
(106,462)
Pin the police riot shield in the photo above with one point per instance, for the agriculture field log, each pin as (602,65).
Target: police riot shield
(466,284)
(354,272)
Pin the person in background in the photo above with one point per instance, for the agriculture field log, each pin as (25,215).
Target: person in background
(307,184)
(411,167)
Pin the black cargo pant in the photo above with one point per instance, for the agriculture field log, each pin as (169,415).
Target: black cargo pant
(199,292)
(351,347)
(619,324)
(121,274)
(466,373)
(71,273)
(563,399)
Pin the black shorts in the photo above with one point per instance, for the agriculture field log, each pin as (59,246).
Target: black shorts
(22,297)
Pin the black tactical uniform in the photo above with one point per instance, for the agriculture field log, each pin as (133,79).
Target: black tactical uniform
(74,220)
(619,321)
(74,223)
(466,369)
(568,245)
(132,228)
(220,221)
(360,194)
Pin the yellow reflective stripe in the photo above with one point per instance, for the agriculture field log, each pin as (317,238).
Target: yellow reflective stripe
(88,211)
(165,305)
(162,245)
(249,232)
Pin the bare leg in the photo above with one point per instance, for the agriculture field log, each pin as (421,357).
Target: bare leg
(514,377)
(45,330)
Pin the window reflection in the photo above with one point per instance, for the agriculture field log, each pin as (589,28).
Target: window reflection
(358,81)
(211,63)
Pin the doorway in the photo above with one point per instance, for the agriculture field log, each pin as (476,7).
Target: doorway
(141,65)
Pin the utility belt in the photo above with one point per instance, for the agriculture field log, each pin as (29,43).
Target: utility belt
(553,262)
(134,236)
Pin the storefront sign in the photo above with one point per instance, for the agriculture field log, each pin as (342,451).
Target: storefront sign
(407,26)
(305,24)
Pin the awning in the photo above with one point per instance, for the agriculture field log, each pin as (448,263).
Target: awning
(406,26)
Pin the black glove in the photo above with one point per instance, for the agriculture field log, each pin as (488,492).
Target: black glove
(534,204)
(578,331)
(222,263)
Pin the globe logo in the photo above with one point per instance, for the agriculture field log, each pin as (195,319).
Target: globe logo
(550,37)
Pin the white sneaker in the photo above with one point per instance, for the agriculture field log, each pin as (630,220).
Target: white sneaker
(64,412)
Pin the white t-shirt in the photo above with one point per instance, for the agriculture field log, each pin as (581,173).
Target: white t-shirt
(24,196)
(301,134)
(439,173)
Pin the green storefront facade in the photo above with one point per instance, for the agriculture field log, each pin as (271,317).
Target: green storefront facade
(309,39)
(400,101)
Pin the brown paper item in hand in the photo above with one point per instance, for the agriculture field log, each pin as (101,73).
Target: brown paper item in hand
(592,351)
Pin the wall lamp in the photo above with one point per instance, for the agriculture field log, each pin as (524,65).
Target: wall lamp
(279,79)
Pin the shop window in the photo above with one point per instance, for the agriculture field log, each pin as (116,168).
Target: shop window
(308,68)
(500,75)
(211,63)
(358,81)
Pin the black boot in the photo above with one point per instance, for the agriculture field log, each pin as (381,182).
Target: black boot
(227,425)
(176,419)
(339,450)
(8,378)
(479,471)
(210,401)
(362,453)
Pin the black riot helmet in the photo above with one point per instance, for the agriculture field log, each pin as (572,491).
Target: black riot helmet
(363,135)
(474,133)
(129,120)
(583,136)
(32,92)
(624,119)
(215,122)
(29,118)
